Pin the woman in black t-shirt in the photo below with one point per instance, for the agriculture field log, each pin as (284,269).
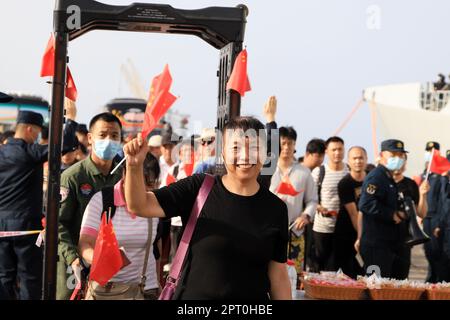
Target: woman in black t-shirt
(238,249)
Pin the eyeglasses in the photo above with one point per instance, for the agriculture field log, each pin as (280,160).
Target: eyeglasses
(207,143)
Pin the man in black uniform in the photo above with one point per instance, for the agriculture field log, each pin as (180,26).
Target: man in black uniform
(442,232)
(379,207)
(434,248)
(21,180)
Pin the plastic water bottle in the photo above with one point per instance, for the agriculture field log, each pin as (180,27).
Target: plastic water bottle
(292,273)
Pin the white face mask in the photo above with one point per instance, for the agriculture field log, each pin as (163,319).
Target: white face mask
(427,156)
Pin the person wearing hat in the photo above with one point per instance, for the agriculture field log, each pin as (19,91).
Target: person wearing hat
(431,145)
(21,199)
(380,243)
(434,248)
(442,232)
(154,144)
(207,151)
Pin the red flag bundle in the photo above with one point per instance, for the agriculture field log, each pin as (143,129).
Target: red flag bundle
(48,69)
(107,259)
(159,101)
(439,164)
(239,79)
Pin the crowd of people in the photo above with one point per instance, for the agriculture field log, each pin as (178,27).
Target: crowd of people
(269,206)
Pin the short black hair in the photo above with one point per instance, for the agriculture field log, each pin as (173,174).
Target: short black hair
(333,139)
(5,135)
(44,132)
(81,128)
(316,146)
(105,116)
(288,132)
(245,123)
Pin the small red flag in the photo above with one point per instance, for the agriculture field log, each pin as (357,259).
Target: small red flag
(287,188)
(107,259)
(159,101)
(239,79)
(48,60)
(439,164)
(71,89)
(48,69)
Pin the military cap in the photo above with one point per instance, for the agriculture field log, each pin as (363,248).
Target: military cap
(393,145)
(30,117)
(432,145)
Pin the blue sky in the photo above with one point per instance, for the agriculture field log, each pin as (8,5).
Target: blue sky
(315,56)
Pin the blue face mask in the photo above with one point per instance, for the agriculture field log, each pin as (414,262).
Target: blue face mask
(395,163)
(106,149)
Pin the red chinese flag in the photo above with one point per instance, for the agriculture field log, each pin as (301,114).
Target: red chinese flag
(48,69)
(159,101)
(287,188)
(107,259)
(48,60)
(71,89)
(239,79)
(439,164)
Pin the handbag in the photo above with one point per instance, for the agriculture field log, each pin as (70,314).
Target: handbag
(178,261)
(120,290)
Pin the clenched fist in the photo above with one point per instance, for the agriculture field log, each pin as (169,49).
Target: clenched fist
(136,150)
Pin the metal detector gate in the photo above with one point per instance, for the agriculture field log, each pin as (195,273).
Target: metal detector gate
(221,27)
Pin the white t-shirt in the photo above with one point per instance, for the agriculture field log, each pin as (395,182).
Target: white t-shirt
(303,183)
(131,233)
(329,198)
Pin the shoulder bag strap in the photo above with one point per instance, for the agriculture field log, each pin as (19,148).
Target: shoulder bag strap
(178,260)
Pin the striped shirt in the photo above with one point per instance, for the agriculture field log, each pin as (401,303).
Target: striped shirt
(329,198)
(132,234)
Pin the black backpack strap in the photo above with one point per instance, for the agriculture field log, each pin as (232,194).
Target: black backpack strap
(176,170)
(320,181)
(108,200)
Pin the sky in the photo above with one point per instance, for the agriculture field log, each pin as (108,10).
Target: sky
(316,57)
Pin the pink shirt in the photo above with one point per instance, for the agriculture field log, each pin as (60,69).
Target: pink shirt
(131,232)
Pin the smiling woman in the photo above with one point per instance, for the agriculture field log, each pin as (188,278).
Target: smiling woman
(238,248)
